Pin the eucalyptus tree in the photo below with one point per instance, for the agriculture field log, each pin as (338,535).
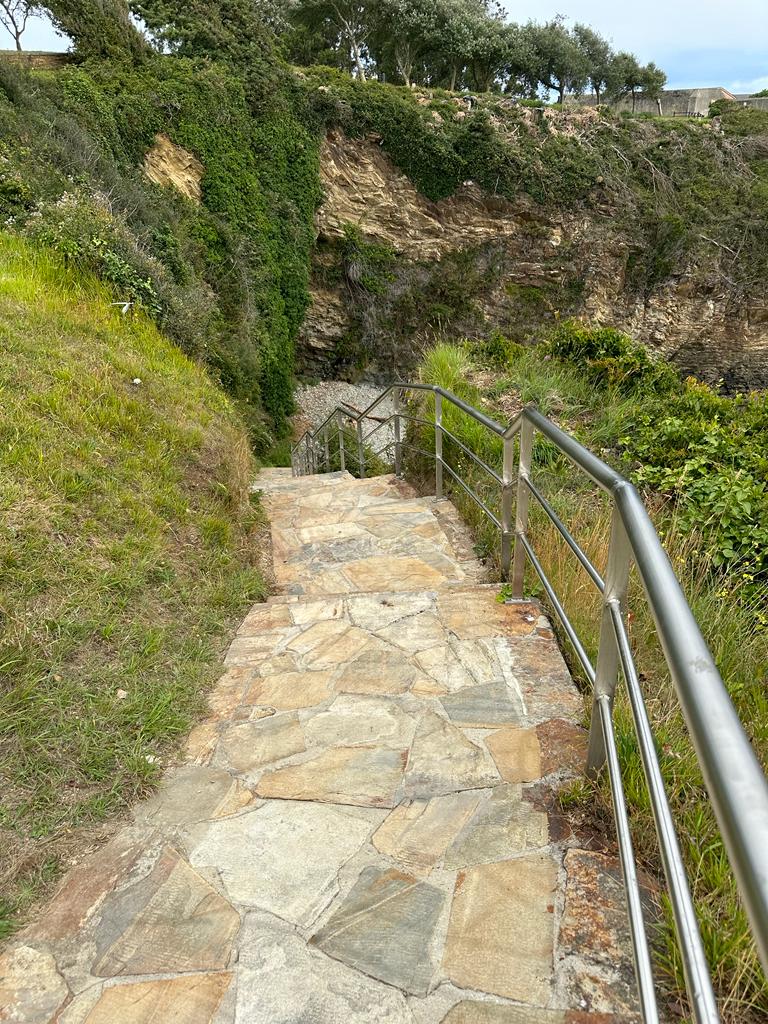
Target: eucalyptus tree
(350,21)
(404,36)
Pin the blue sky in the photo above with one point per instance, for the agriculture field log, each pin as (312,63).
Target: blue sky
(697,42)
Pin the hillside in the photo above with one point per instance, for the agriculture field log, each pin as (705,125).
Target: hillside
(127,547)
(445,219)
(186,233)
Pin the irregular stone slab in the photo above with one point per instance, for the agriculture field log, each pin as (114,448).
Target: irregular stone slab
(503,825)
(201,743)
(516,754)
(506,911)
(417,834)
(563,746)
(474,613)
(250,745)
(546,685)
(484,707)
(308,611)
(385,928)
(474,1012)
(193,793)
(264,618)
(191,1000)
(284,857)
(360,720)
(282,981)
(449,666)
(245,651)
(228,692)
(414,633)
(364,776)
(595,941)
(31,988)
(443,760)
(86,886)
(290,690)
(377,611)
(329,643)
(378,669)
(380,573)
(170,922)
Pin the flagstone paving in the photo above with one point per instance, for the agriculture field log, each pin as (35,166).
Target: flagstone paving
(364,829)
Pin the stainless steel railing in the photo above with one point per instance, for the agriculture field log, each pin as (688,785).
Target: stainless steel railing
(732,774)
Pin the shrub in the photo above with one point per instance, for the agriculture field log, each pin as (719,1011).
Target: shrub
(611,358)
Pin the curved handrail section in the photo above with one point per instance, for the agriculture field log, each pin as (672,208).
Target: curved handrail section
(732,773)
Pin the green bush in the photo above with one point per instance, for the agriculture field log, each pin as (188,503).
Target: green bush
(611,358)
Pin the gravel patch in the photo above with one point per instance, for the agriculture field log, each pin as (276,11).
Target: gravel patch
(317,401)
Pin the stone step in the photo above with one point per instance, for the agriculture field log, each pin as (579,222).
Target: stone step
(367,827)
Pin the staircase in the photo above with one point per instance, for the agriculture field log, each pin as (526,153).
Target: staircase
(366,828)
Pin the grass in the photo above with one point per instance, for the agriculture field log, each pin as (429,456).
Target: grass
(126,551)
(729,616)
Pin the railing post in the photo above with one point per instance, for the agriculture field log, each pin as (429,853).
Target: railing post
(607,668)
(438,445)
(521,508)
(396,404)
(326,450)
(360,449)
(340,425)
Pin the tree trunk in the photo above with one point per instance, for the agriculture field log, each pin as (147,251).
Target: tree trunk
(454,76)
(358,60)
(634,100)
(597,95)
(561,94)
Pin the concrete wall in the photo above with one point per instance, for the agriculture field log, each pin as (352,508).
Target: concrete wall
(672,102)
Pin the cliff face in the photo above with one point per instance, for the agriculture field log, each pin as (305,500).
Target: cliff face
(521,266)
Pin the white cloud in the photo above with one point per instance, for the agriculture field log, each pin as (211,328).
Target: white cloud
(755,85)
(656,28)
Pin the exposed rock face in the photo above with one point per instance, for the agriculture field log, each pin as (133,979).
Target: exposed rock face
(168,164)
(691,318)
(362,186)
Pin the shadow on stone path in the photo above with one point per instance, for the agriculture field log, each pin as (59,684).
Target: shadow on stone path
(357,833)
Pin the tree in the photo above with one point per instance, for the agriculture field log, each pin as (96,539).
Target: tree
(653,80)
(352,21)
(563,66)
(404,33)
(626,77)
(240,32)
(14,15)
(98,28)
(488,50)
(598,54)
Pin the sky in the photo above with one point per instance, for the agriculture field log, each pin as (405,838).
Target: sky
(697,42)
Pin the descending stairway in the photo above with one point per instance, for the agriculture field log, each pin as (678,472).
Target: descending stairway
(365,829)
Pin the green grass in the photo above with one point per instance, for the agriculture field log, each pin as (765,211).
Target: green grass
(127,548)
(731,609)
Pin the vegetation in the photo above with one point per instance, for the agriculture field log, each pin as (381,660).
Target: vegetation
(126,550)
(698,458)
(459,43)
(227,278)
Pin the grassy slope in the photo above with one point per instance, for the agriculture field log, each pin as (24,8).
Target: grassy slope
(125,552)
(729,608)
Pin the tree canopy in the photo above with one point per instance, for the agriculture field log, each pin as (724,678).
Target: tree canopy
(450,44)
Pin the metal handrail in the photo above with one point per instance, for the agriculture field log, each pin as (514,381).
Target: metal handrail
(732,774)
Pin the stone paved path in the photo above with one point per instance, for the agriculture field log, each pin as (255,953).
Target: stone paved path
(363,830)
